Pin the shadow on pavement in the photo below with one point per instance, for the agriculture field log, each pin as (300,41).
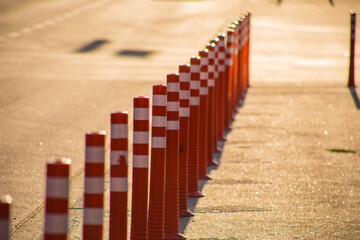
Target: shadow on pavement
(135,53)
(355,97)
(92,45)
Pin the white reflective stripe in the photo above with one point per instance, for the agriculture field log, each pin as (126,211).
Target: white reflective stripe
(57,187)
(184,77)
(195,85)
(211,68)
(115,157)
(211,83)
(94,154)
(140,161)
(118,184)
(184,94)
(159,121)
(228,50)
(173,106)
(194,101)
(56,223)
(159,100)
(173,86)
(172,125)
(158,142)
(229,62)
(221,68)
(141,137)
(119,131)
(94,185)
(195,68)
(222,55)
(141,113)
(184,112)
(93,216)
(204,61)
(216,75)
(212,54)
(204,91)
(204,75)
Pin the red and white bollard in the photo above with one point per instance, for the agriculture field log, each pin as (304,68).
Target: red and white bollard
(352,50)
(158,154)
(94,185)
(184,114)
(171,230)
(229,77)
(57,199)
(139,207)
(204,117)
(5,204)
(193,173)
(221,86)
(118,175)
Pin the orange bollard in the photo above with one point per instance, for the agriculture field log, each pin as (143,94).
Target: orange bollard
(204,117)
(158,154)
(118,175)
(184,114)
(193,173)
(247,48)
(241,62)
(171,228)
(139,205)
(5,204)
(352,51)
(229,70)
(57,199)
(221,86)
(94,185)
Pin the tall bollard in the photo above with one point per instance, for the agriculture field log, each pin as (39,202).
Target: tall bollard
(57,199)
(140,169)
(204,117)
(5,204)
(94,185)
(221,86)
(229,74)
(193,177)
(184,114)
(118,176)
(157,174)
(352,50)
(171,228)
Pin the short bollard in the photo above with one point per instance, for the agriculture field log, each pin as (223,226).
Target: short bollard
(5,204)
(57,199)
(193,173)
(171,228)
(157,174)
(229,71)
(139,207)
(184,113)
(118,175)
(94,185)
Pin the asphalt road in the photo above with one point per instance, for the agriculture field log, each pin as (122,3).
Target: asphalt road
(65,66)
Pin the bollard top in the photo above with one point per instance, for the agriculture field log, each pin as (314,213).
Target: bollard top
(7,199)
(195,60)
(95,138)
(159,89)
(204,53)
(141,102)
(184,68)
(119,117)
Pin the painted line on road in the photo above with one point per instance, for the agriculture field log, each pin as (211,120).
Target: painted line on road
(53,21)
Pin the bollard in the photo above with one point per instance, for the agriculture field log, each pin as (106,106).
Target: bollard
(221,86)
(193,173)
(171,224)
(5,204)
(57,199)
(229,67)
(140,169)
(158,154)
(184,114)
(118,175)
(204,117)
(352,50)
(94,185)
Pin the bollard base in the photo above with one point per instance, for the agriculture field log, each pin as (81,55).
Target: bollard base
(213,163)
(206,177)
(174,236)
(186,213)
(195,194)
